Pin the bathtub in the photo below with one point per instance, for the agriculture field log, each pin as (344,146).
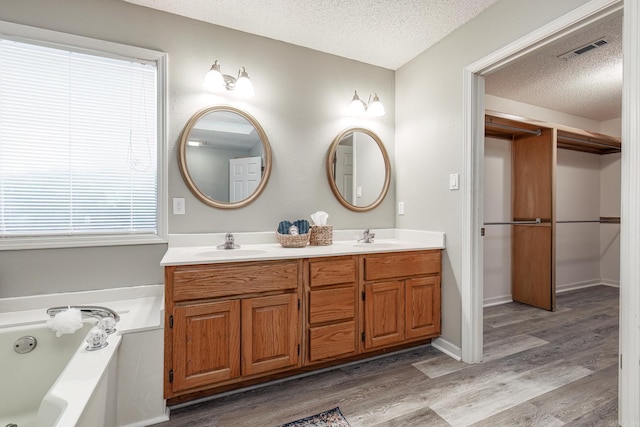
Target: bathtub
(55,384)
(61,384)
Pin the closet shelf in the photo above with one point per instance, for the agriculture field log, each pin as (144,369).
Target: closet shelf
(504,126)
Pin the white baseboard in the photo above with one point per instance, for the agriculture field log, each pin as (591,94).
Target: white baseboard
(150,421)
(577,285)
(611,282)
(504,299)
(447,348)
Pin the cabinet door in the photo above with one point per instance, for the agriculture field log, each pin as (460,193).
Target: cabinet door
(423,307)
(270,338)
(206,344)
(384,313)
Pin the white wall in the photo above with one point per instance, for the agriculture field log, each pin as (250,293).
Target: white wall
(301,100)
(497,208)
(429,131)
(578,198)
(610,177)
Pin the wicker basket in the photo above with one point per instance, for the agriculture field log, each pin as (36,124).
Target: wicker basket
(293,240)
(321,235)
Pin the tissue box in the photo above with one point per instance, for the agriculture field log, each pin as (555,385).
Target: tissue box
(321,235)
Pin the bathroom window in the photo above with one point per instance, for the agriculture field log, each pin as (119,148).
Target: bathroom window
(80,143)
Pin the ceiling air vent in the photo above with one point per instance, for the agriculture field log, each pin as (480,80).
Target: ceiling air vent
(584,49)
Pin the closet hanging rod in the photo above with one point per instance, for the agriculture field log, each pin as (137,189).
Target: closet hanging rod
(535,221)
(586,141)
(601,221)
(536,132)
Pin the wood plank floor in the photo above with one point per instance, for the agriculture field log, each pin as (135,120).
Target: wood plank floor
(539,369)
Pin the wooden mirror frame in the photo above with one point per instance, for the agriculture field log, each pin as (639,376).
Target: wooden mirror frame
(182,157)
(331,178)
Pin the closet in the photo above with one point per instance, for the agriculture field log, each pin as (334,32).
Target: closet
(533,222)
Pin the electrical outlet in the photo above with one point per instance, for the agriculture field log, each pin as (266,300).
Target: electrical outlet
(400,208)
(178,206)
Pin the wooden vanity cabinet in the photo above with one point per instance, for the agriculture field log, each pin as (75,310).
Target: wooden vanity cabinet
(401,297)
(332,323)
(234,324)
(229,322)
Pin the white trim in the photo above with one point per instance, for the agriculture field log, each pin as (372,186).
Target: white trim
(473,105)
(472,253)
(115,50)
(629,373)
(447,348)
(490,302)
(565,287)
(151,421)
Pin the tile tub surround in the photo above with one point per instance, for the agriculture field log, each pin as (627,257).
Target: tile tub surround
(201,248)
(140,360)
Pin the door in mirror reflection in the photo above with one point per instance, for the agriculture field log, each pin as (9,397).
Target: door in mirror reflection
(358,169)
(225,157)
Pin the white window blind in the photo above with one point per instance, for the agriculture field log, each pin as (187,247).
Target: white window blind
(78,143)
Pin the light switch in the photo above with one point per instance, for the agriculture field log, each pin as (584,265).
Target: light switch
(359,191)
(454,181)
(178,206)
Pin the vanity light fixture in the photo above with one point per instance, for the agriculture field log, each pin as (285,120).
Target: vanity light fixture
(372,108)
(215,81)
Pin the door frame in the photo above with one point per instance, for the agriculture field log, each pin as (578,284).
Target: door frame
(473,173)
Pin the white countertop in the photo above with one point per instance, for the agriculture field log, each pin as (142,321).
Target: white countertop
(193,249)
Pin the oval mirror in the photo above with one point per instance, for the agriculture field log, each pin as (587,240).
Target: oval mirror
(225,157)
(358,169)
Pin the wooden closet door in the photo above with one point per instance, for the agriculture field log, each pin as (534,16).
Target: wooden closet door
(533,196)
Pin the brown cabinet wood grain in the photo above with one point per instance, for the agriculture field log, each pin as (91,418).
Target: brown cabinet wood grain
(422,296)
(231,321)
(269,333)
(404,309)
(384,313)
(332,308)
(206,344)
(227,279)
(239,323)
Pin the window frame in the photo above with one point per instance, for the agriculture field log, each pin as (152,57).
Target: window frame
(34,35)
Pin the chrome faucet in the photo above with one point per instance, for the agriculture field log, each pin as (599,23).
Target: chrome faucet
(87,310)
(229,242)
(367,237)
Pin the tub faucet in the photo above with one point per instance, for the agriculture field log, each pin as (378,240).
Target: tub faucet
(229,242)
(87,310)
(367,237)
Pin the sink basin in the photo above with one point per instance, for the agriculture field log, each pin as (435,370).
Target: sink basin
(230,253)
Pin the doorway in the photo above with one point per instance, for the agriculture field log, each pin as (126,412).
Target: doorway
(473,115)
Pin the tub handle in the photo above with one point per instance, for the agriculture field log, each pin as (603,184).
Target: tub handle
(87,310)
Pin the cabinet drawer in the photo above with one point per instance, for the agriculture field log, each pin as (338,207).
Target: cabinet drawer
(332,272)
(332,341)
(330,305)
(210,281)
(401,264)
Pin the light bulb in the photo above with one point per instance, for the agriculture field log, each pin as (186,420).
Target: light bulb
(244,85)
(214,80)
(357,106)
(376,108)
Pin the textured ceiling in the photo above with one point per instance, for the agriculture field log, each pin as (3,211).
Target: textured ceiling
(391,33)
(378,32)
(589,85)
